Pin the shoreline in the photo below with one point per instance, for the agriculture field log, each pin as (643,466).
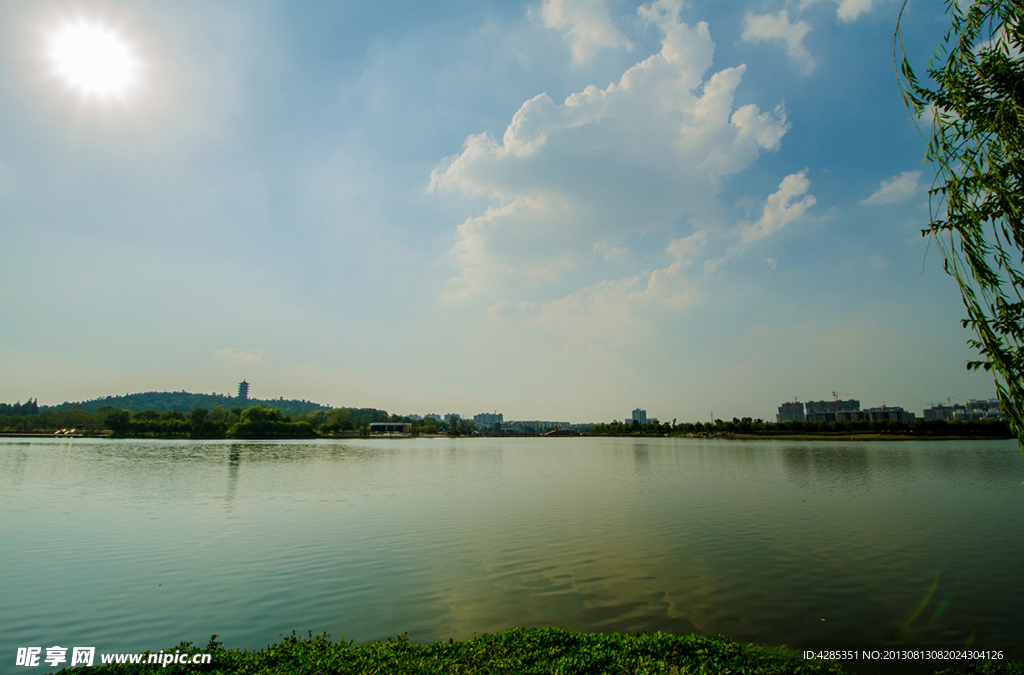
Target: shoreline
(817,436)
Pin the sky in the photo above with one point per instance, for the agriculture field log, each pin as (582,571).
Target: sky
(559,210)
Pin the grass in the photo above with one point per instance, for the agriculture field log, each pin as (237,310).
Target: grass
(517,651)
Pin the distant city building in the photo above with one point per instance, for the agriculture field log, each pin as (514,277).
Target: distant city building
(449,416)
(790,412)
(489,418)
(943,412)
(981,409)
(832,411)
(640,416)
(888,412)
(976,409)
(433,416)
(243,391)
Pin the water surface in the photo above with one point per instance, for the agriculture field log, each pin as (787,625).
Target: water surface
(132,545)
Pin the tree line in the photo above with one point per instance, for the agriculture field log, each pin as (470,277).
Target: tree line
(265,422)
(258,421)
(758,427)
(29,407)
(186,402)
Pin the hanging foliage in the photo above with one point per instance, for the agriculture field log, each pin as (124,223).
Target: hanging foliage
(974,99)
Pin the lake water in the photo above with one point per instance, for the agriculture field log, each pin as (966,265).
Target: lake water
(132,545)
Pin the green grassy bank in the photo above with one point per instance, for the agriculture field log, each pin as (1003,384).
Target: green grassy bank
(520,650)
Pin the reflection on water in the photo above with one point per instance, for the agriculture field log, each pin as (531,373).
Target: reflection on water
(139,544)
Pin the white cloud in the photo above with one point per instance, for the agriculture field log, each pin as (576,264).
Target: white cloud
(771,262)
(896,189)
(632,158)
(846,10)
(586,24)
(613,313)
(609,252)
(237,355)
(849,10)
(688,247)
(780,209)
(766,27)
(711,266)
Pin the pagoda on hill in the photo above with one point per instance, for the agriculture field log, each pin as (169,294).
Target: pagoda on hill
(243,391)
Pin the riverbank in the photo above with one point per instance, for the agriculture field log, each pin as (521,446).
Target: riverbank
(852,436)
(515,651)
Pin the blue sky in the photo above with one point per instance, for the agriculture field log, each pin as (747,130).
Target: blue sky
(557,210)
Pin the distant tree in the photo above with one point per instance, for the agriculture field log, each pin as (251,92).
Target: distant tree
(118,421)
(317,418)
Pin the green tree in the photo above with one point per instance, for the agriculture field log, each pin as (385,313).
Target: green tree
(197,420)
(118,421)
(975,96)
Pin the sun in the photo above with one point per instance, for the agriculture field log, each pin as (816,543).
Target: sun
(93,59)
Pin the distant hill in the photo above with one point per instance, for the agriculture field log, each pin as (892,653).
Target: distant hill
(185,402)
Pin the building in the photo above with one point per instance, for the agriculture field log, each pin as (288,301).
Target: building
(888,412)
(833,411)
(944,412)
(976,409)
(489,418)
(981,409)
(243,391)
(639,416)
(790,412)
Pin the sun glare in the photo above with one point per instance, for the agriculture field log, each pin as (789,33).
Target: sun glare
(93,59)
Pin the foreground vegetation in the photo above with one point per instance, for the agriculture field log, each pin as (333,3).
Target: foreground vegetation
(520,650)
(516,651)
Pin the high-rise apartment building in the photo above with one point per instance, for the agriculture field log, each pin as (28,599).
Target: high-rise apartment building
(790,412)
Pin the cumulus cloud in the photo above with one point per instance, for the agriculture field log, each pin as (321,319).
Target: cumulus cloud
(846,10)
(246,357)
(769,27)
(780,209)
(612,313)
(632,158)
(896,189)
(586,24)
(849,10)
